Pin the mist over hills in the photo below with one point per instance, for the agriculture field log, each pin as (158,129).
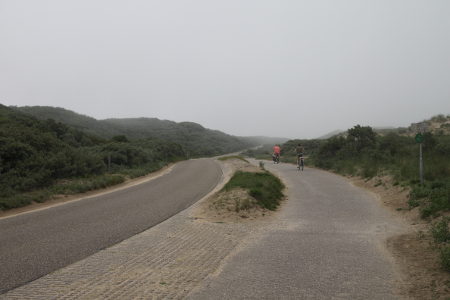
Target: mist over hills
(330,134)
(196,139)
(132,127)
(439,124)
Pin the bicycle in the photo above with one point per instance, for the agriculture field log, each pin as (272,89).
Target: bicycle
(276,158)
(300,163)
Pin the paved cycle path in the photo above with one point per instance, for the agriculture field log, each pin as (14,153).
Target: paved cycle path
(37,243)
(328,243)
(325,242)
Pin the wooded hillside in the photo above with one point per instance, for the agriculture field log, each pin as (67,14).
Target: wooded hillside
(195,139)
(41,156)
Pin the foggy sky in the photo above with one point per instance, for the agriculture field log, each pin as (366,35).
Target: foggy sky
(296,69)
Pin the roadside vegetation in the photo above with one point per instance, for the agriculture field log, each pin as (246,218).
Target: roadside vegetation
(288,153)
(368,153)
(364,153)
(441,235)
(195,140)
(361,151)
(264,187)
(43,158)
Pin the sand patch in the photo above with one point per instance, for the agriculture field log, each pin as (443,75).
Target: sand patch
(414,253)
(235,205)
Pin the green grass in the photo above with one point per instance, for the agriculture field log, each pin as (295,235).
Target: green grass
(432,197)
(143,170)
(264,187)
(76,185)
(440,231)
(66,187)
(397,156)
(82,185)
(441,236)
(14,201)
(445,257)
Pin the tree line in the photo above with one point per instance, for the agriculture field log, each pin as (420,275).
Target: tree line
(361,151)
(40,158)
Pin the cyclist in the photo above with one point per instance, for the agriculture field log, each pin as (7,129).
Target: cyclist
(276,153)
(300,151)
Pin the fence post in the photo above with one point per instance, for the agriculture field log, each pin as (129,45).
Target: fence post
(420,128)
(421,163)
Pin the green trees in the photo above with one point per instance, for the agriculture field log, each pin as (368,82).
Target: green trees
(40,157)
(35,155)
(195,139)
(360,138)
(364,153)
(360,141)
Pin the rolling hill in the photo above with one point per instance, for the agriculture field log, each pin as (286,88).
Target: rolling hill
(195,139)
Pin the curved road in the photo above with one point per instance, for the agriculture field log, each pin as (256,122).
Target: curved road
(37,243)
(327,242)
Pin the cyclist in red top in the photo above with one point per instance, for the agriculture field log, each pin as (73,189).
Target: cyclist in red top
(276,153)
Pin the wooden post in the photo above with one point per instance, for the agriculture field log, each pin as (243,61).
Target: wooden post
(421,163)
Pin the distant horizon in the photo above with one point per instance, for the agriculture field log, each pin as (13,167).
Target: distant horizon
(248,68)
(256,135)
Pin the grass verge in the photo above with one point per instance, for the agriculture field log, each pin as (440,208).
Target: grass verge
(65,187)
(441,235)
(76,186)
(264,187)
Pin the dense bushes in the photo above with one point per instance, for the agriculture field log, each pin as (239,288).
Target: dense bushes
(288,152)
(195,139)
(36,155)
(364,153)
(39,158)
(432,197)
(441,235)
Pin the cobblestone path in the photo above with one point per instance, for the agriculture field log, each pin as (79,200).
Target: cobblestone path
(165,262)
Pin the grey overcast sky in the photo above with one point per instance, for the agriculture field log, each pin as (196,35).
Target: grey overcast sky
(296,69)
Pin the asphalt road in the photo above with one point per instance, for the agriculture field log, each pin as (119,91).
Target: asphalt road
(37,243)
(327,243)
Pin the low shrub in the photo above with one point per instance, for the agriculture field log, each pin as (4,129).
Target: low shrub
(445,257)
(435,195)
(264,187)
(440,231)
(82,185)
(15,201)
(143,170)
(412,202)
